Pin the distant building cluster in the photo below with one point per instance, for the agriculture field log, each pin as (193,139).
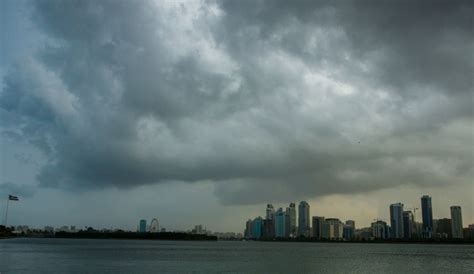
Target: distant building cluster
(404,226)
(197,230)
(154,226)
(282,223)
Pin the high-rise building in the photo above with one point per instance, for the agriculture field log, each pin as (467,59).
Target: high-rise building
(280,223)
(396,220)
(456,222)
(292,219)
(351,223)
(270,213)
(257,228)
(303,219)
(349,230)
(444,228)
(142,226)
(287,223)
(427,216)
(468,232)
(268,229)
(318,227)
(408,224)
(333,229)
(380,230)
(248,229)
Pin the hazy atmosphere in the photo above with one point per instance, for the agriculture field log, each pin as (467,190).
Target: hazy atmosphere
(201,112)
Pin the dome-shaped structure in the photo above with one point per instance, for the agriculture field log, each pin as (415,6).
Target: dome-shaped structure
(154,226)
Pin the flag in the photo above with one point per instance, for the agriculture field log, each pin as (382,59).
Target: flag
(12,198)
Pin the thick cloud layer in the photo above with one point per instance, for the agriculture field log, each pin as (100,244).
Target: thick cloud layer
(268,99)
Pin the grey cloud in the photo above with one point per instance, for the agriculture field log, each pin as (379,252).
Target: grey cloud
(421,42)
(21,190)
(266,99)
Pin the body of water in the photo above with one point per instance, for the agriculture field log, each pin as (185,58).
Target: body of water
(140,256)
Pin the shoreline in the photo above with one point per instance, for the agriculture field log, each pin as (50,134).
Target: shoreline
(205,238)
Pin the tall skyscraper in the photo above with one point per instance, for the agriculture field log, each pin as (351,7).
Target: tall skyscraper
(248,229)
(303,219)
(292,219)
(280,223)
(257,227)
(396,220)
(408,224)
(287,223)
(427,216)
(268,229)
(318,227)
(142,226)
(270,213)
(456,222)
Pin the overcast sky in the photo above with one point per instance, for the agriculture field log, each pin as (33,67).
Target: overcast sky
(202,112)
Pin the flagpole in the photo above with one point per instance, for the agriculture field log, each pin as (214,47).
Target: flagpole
(6,213)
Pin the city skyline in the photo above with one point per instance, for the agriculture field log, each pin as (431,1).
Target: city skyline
(445,212)
(113,111)
(282,224)
(401,226)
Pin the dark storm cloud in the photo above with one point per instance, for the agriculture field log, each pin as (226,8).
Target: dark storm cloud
(269,99)
(8,188)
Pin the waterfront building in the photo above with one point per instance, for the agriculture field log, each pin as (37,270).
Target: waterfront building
(257,228)
(443,228)
(380,230)
(268,229)
(317,227)
(248,229)
(408,224)
(291,212)
(351,223)
(303,220)
(142,226)
(287,223)
(349,230)
(364,234)
(49,229)
(333,229)
(270,212)
(198,230)
(396,220)
(435,227)
(456,222)
(427,216)
(468,232)
(280,223)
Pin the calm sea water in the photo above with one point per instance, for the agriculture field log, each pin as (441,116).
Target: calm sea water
(135,256)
